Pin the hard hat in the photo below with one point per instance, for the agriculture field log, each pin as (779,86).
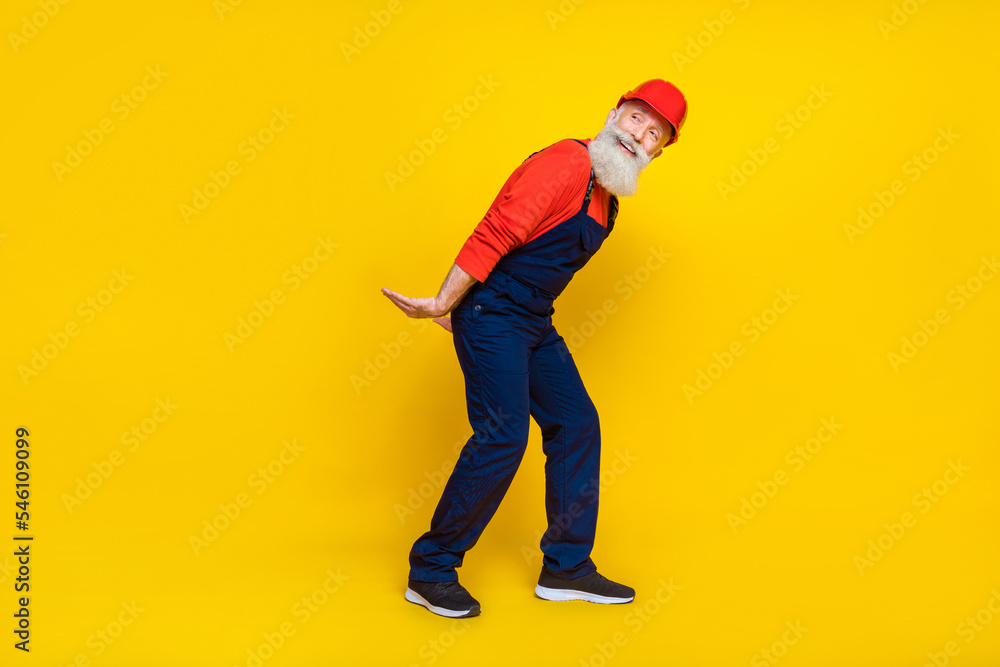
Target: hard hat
(665,98)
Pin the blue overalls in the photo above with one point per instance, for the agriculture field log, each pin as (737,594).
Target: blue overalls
(516,364)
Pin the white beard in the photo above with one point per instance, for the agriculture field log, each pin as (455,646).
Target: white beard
(616,171)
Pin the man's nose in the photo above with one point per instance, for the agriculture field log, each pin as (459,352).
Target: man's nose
(637,132)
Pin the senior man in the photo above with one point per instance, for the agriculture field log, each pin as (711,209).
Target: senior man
(548,220)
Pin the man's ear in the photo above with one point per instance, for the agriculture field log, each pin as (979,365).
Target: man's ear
(657,153)
(611,115)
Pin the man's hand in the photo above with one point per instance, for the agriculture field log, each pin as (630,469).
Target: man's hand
(455,285)
(426,307)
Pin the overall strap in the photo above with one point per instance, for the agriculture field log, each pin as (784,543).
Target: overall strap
(542,149)
(590,189)
(590,185)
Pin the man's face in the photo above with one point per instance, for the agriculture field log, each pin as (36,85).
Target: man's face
(632,136)
(645,125)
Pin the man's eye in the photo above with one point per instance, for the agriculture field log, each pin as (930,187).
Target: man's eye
(635,118)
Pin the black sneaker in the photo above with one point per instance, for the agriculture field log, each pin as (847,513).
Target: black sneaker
(447,598)
(593,587)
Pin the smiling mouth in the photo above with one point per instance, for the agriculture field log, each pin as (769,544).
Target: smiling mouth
(622,144)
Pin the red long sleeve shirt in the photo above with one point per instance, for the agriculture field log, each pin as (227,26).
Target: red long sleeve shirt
(545,190)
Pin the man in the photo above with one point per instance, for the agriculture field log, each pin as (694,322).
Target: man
(550,217)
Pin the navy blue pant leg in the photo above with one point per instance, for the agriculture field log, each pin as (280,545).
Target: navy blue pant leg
(571,440)
(493,347)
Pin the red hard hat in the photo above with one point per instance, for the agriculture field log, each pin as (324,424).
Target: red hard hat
(665,98)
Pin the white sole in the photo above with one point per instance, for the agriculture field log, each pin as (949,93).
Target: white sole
(416,598)
(562,594)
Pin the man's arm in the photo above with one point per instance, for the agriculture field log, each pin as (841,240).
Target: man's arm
(454,287)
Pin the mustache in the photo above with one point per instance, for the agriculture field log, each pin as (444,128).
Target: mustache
(626,139)
(638,152)
(617,170)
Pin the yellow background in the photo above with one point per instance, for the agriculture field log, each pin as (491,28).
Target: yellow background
(367,449)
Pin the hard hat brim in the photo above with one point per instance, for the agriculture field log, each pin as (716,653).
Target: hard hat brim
(674,124)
